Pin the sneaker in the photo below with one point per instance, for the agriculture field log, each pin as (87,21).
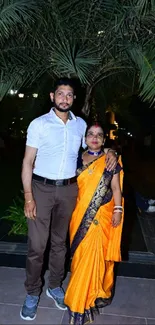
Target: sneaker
(57,294)
(29,309)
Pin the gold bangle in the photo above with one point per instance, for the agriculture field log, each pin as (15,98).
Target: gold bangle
(27,202)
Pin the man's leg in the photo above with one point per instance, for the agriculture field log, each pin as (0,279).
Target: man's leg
(65,203)
(38,233)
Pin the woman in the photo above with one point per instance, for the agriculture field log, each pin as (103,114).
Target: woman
(95,231)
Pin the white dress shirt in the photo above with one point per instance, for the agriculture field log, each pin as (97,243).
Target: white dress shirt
(57,143)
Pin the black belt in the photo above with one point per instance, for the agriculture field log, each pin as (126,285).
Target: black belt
(55,182)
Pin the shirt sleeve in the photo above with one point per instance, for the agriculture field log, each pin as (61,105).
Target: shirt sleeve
(33,134)
(83,138)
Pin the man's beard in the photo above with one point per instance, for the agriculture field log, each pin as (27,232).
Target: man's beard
(63,110)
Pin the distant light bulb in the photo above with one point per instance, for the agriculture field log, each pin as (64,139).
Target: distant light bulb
(20,95)
(13,92)
(100,32)
(35,95)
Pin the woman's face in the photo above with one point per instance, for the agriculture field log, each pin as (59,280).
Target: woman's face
(95,138)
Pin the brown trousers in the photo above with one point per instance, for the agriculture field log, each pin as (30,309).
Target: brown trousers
(55,205)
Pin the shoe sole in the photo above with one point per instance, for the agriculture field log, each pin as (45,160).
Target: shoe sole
(58,306)
(27,318)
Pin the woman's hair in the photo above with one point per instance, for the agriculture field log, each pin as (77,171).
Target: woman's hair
(97,124)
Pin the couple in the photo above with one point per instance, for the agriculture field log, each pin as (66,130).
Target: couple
(50,190)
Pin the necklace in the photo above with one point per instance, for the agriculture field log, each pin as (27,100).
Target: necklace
(90,170)
(97,153)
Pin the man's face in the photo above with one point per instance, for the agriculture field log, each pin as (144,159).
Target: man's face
(63,98)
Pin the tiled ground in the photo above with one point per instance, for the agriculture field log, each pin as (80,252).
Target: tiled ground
(133,303)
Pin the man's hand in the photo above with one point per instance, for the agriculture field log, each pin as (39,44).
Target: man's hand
(30,209)
(111,160)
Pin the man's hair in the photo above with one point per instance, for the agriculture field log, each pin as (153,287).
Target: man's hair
(64,82)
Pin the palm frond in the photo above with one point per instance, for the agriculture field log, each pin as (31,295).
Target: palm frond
(17,13)
(143,6)
(67,58)
(145,61)
(87,39)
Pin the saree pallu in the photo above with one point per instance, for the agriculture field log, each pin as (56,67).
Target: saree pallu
(95,244)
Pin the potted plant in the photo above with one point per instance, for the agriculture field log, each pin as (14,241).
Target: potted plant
(15,216)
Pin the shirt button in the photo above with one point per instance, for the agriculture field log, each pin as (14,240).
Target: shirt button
(95,222)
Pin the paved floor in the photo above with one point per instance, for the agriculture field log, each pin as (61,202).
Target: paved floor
(133,303)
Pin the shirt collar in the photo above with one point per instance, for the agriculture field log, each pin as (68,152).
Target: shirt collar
(71,116)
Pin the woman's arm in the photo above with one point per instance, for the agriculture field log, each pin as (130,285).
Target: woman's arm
(116,189)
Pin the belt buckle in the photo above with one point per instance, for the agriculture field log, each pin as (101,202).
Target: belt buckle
(59,182)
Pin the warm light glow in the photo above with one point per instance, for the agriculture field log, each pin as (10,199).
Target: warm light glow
(111,135)
(35,95)
(116,123)
(20,95)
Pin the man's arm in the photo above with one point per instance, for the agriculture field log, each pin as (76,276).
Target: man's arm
(27,168)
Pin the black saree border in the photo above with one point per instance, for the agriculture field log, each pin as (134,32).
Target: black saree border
(76,318)
(102,195)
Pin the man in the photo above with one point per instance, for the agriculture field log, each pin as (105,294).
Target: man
(50,190)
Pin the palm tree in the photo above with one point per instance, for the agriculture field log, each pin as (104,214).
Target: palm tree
(17,19)
(93,40)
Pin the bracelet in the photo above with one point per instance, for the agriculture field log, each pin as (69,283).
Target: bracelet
(27,202)
(115,152)
(120,211)
(27,192)
(118,206)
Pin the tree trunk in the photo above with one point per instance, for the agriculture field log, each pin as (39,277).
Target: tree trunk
(87,103)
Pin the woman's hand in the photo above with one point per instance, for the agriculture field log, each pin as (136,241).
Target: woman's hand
(116,219)
(111,160)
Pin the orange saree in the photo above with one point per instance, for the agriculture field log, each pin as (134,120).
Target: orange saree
(95,244)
